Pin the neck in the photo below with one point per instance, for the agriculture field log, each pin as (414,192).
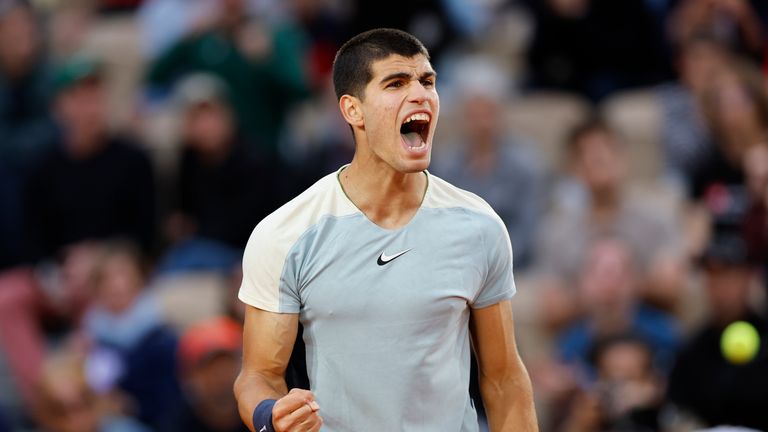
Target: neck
(482,154)
(387,197)
(613,320)
(605,203)
(83,145)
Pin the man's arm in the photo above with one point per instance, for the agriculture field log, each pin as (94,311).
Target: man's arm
(268,340)
(504,382)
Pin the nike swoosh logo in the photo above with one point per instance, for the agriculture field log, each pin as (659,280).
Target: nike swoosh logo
(263,429)
(384,258)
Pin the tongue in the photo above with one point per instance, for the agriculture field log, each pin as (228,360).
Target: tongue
(413,139)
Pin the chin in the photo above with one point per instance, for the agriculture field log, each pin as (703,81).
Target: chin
(416,165)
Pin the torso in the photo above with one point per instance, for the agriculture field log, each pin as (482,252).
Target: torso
(385,312)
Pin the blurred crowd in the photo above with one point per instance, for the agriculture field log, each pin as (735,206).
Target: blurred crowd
(624,144)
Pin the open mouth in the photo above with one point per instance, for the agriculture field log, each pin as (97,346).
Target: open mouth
(415,130)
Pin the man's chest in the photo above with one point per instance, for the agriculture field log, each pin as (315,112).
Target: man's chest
(390,278)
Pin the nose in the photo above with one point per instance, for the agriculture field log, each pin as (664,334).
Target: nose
(420,93)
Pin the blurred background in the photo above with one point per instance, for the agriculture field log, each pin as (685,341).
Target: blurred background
(623,142)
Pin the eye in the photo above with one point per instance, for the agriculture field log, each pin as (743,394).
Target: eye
(429,82)
(395,84)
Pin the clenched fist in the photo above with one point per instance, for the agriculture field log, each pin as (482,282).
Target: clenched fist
(297,412)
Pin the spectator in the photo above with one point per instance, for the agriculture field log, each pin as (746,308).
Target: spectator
(131,346)
(685,137)
(92,185)
(210,354)
(263,65)
(597,163)
(493,162)
(735,106)
(702,381)
(608,296)
(735,23)
(628,393)
(69,404)
(37,306)
(223,192)
(26,127)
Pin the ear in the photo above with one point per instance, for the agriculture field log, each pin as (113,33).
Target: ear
(351,110)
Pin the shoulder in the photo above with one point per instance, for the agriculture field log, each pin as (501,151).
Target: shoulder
(269,252)
(283,227)
(657,322)
(445,196)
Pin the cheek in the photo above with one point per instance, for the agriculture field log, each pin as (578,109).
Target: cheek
(381,121)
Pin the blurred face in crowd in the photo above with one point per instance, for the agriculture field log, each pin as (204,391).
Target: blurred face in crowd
(607,282)
(599,161)
(482,118)
(119,281)
(208,127)
(82,111)
(626,373)
(624,361)
(727,289)
(18,56)
(698,63)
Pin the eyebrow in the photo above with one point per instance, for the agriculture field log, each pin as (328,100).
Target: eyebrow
(405,75)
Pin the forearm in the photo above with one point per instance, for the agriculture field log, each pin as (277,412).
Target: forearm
(251,388)
(509,401)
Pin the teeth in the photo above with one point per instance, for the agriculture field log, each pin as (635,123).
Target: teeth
(417,116)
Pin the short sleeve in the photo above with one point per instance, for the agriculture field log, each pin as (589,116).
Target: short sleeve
(499,282)
(269,280)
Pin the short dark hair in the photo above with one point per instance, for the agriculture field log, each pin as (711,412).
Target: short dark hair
(352,65)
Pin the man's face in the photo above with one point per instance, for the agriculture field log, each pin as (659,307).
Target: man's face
(728,290)
(400,107)
(607,280)
(482,118)
(82,111)
(208,127)
(599,162)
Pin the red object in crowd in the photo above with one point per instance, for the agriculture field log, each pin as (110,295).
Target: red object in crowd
(212,336)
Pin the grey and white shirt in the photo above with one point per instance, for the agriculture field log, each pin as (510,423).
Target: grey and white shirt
(385,312)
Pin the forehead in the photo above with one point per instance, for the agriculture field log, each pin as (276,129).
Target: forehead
(416,65)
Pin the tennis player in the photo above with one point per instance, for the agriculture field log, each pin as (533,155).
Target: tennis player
(391,271)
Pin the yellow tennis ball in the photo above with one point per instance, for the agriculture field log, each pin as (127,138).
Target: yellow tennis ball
(740,342)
